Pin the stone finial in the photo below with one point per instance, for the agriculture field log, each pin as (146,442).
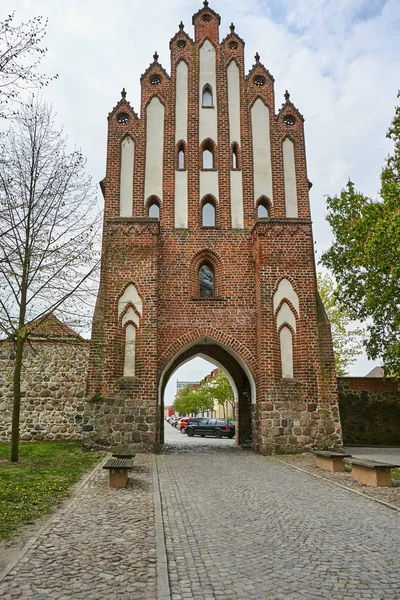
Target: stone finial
(155,56)
(232,27)
(287,96)
(257,57)
(123,93)
(205,3)
(181,26)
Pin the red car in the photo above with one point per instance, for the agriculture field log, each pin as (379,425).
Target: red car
(182,423)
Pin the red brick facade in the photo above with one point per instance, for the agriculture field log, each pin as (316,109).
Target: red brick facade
(238,326)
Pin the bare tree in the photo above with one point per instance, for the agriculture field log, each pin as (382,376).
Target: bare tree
(21,51)
(48,233)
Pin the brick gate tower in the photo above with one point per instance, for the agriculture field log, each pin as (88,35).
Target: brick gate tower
(208,251)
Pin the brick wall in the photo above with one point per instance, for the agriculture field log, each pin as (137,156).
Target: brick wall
(238,324)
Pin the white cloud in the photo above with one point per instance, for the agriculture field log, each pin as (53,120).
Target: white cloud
(340,60)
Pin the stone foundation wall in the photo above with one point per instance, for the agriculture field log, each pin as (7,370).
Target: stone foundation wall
(369,411)
(292,423)
(53,387)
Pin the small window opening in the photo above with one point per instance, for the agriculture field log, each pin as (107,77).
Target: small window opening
(154,211)
(235,161)
(181,158)
(207,101)
(208,215)
(262,211)
(208,156)
(206,282)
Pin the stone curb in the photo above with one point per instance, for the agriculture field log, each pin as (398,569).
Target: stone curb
(47,525)
(344,487)
(163,589)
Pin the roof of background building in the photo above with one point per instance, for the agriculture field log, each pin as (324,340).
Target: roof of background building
(376,372)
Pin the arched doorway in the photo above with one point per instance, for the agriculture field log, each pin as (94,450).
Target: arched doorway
(235,369)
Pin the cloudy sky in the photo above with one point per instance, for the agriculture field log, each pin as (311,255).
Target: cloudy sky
(340,60)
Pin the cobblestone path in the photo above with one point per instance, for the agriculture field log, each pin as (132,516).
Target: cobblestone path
(244,527)
(100,546)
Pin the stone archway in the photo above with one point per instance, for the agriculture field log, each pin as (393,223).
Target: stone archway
(240,378)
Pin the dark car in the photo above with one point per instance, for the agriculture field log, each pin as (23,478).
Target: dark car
(217,427)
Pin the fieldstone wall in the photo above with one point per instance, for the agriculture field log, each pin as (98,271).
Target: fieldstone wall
(369,411)
(53,386)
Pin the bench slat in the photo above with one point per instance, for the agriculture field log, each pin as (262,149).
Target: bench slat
(124,455)
(119,463)
(329,454)
(372,464)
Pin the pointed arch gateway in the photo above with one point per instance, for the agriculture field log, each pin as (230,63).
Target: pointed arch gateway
(231,357)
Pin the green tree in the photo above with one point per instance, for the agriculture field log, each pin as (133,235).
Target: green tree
(48,233)
(347,340)
(365,257)
(221,391)
(193,400)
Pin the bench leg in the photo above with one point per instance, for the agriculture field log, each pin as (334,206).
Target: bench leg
(373,477)
(334,464)
(118,478)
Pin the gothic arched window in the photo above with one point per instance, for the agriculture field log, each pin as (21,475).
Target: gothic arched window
(154,210)
(263,207)
(207,99)
(208,155)
(206,281)
(181,155)
(262,211)
(235,157)
(208,214)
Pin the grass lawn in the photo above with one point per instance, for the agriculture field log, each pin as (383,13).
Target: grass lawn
(42,477)
(395,473)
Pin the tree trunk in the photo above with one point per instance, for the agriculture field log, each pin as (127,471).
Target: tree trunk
(17,400)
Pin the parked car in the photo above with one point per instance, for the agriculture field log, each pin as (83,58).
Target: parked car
(181,424)
(193,420)
(217,427)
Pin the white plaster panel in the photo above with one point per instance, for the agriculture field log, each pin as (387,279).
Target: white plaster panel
(129,362)
(209,183)
(181,199)
(130,295)
(289,171)
(286,341)
(130,315)
(181,107)
(285,290)
(208,116)
(261,150)
(285,315)
(234,102)
(237,200)
(126,180)
(154,149)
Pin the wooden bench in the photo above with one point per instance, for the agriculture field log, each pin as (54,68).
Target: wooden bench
(123,452)
(330,461)
(119,468)
(371,472)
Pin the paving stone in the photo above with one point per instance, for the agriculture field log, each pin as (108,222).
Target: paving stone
(266,531)
(86,553)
